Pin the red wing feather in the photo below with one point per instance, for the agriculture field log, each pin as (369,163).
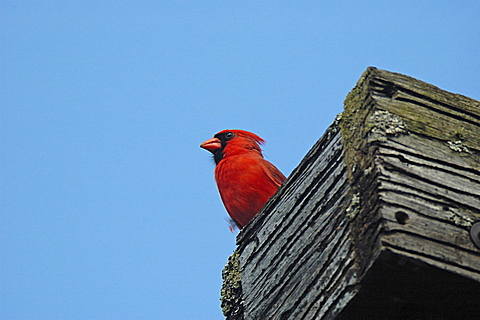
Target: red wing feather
(274,174)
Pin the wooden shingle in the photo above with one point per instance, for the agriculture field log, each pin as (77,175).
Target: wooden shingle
(376,222)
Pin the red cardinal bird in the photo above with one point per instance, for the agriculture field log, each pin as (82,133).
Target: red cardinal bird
(245,180)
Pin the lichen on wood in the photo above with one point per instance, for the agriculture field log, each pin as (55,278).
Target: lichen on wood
(231,292)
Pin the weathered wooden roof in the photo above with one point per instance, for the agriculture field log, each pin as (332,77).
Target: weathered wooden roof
(378,213)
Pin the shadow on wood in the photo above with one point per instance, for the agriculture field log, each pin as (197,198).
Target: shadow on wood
(399,288)
(375,221)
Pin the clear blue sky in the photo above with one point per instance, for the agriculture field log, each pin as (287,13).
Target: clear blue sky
(109,209)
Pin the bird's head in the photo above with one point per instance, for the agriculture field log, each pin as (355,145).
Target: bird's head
(232,142)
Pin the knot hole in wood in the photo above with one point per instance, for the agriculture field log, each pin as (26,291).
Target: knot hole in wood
(402,217)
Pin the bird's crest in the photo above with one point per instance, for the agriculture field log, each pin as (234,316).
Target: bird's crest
(245,134)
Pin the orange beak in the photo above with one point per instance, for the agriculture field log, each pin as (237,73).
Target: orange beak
(211,144)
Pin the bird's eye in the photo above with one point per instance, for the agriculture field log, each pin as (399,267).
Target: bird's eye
(229,135)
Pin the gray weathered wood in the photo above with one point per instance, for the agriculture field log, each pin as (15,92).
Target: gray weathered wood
(394,182)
